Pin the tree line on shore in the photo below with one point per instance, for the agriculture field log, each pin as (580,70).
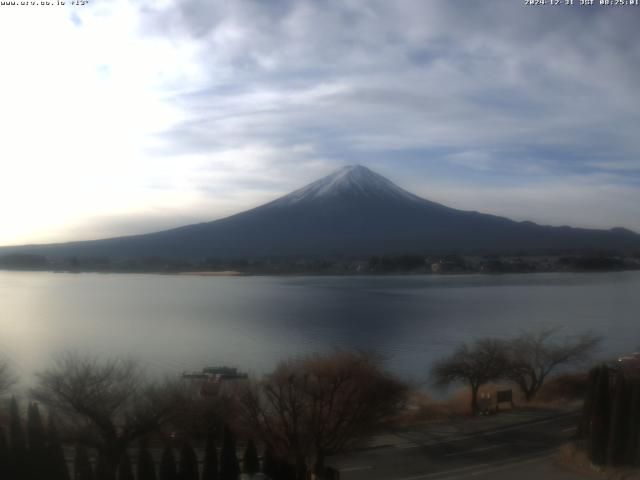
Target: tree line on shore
(526,360)
(386,264)
(306,410)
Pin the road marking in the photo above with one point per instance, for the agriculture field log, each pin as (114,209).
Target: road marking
(502,467)
(489,467)
(481,434)
(355,469)
(570,429)
(491,447)
(522,414)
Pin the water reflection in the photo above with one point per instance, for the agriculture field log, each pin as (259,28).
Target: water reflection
(178,323)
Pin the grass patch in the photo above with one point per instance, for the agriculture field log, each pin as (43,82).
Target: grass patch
(565,390)
(422,408)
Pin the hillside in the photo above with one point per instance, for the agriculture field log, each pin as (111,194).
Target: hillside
(353,211)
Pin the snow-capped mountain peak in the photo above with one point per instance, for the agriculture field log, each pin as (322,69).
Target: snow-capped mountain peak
(349,181)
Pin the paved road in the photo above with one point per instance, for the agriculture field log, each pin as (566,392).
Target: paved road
(518,444)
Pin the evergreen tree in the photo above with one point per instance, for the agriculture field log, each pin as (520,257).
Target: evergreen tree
(617,448)
(82,465)
(633,442)
(35,430)
(269,464)
(229,468)
(37,443)
(56,462)
(210,467)
(18,462)
(286,471)
(250,461)
(584,427)
(188,464)
(18,443)
(125,472)
(5,456)
(146,467)
(168,469)
(300,470)
(104,470)
(598,440)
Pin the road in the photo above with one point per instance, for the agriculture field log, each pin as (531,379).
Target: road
(517,444)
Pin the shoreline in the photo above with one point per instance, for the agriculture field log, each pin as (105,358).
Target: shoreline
(236,273)
(221,273)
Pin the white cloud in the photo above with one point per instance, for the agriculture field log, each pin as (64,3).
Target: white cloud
(184,110)
(79,105)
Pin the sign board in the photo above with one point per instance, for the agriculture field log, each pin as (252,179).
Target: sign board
(504,396)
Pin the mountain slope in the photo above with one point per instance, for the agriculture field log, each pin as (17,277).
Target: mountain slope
(353,211)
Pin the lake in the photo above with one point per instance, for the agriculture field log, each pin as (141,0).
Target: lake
(174,323)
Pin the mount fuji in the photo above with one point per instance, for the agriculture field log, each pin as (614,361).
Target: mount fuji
(352,212)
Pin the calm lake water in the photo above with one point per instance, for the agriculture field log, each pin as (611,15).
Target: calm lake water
(177,323)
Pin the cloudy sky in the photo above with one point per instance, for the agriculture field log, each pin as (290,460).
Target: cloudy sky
(121,117)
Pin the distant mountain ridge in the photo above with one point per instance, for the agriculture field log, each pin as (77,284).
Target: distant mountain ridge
(351,212)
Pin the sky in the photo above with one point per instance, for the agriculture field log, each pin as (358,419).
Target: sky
(121,117)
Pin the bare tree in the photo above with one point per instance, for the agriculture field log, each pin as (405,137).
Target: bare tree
(535,354)
(204,408)
(319,405)
(483,361)
(7,377)
(109,403)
